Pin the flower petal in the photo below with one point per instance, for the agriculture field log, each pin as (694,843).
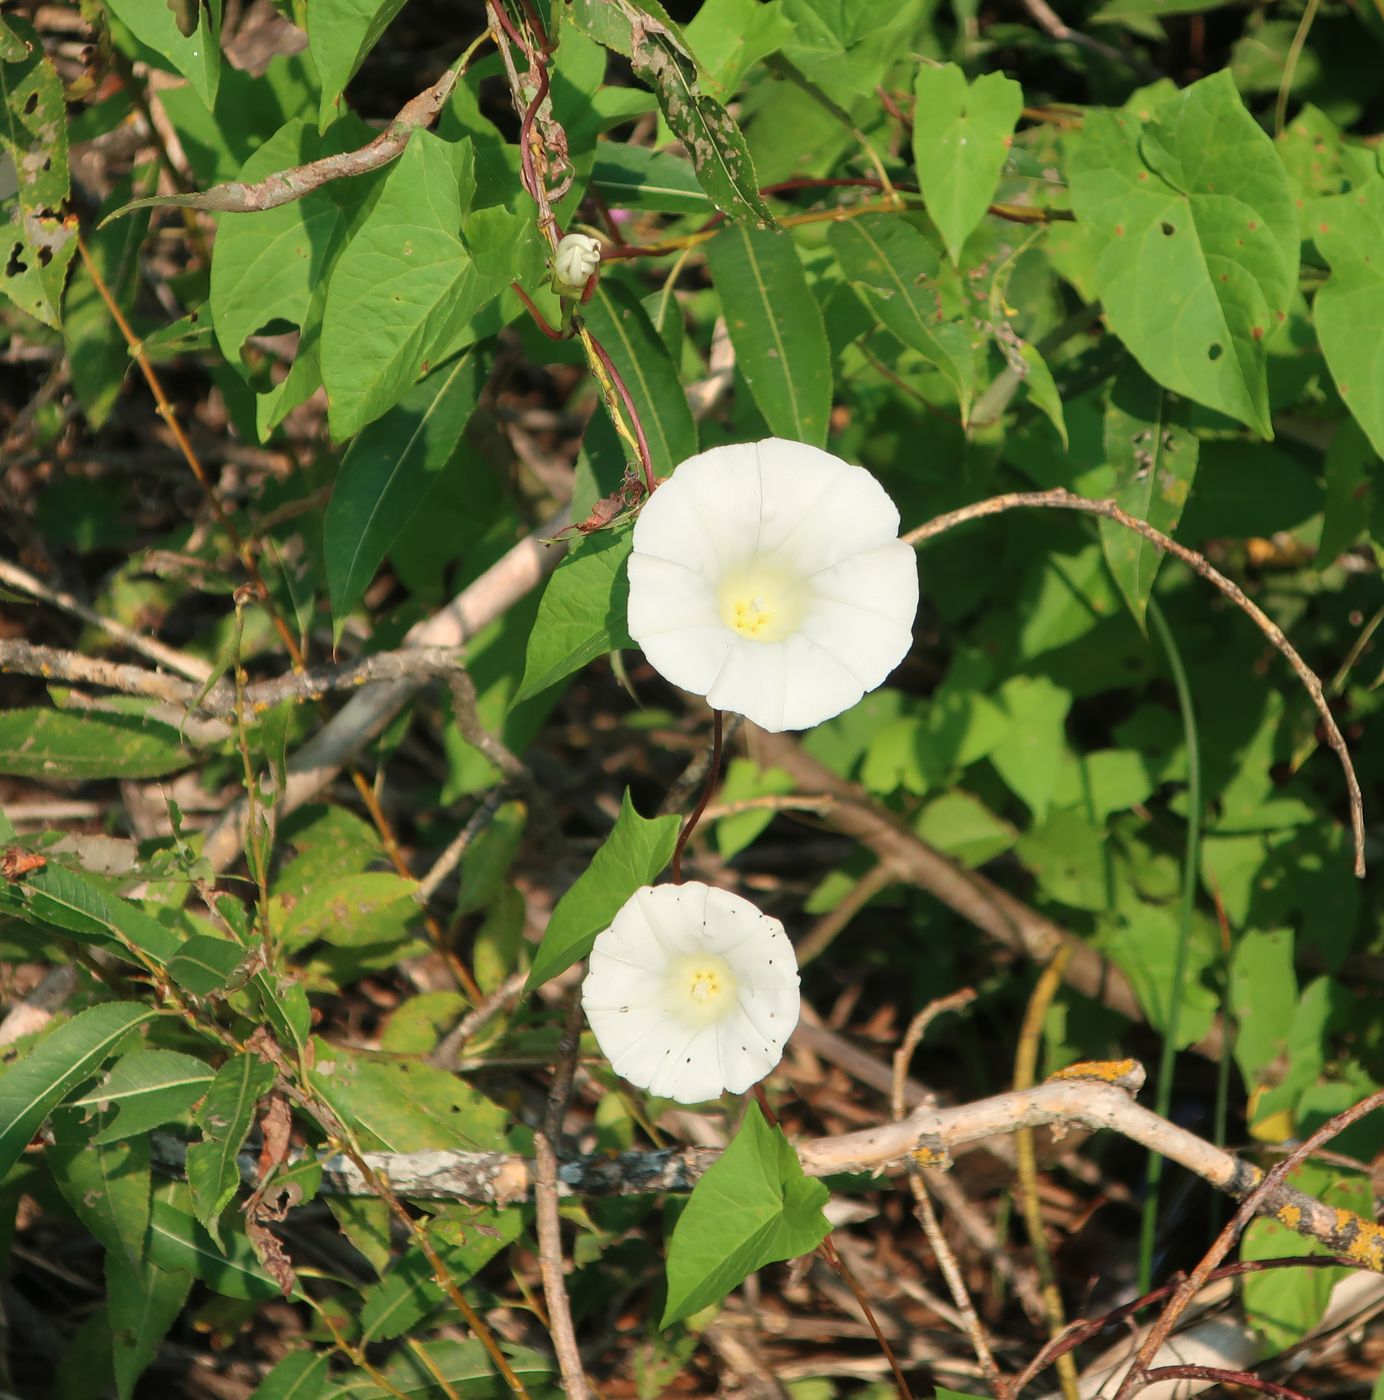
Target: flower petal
(817,685)
(752,681)
(669,527)
(691,658)
(698,1077)
(634,1039)
(853,514)
(612,984)
(676,914)
(745,1057)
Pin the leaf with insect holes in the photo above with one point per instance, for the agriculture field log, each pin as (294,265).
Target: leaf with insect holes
(1154,454)
(1196,240)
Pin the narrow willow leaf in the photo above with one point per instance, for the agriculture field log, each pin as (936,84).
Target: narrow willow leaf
(224,1118)
(340,34)
(68,900)
(42,743)
(1154,454)
(31,1089)
(106,1184)
(143,1302)
(1349,231)
(896,269)
(753,1207)
(189,37)
(178,1243)
(301,1375)
(142,1091)
(713,141)
(427,1369)
(387,472)
(581,615)
(619,322)
(37,242)
(632,855)
(1192,216)
(205,965)
(961,139)
(777,329)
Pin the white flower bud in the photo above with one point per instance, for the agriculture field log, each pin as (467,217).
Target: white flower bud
(578,255)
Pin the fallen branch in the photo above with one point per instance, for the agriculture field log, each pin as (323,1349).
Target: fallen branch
(284,186)
(1059,499)
(1094,1096)
(1007,920)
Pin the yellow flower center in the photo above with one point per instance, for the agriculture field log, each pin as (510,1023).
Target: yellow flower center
(702,987)
(761,601)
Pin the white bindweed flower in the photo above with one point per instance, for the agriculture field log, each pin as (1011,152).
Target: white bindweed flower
(691,991)
(578,255)
(769,577)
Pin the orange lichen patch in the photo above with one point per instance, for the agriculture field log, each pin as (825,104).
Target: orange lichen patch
(1368,1244)
(1107,1071)
(926,1156)
(1291,1216)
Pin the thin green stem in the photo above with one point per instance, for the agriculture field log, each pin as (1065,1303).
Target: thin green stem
(1164,1090)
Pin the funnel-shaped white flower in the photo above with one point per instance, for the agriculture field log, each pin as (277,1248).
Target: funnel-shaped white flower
(769,577)
(691,991)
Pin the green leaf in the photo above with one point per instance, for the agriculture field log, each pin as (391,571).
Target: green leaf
(776,328)
(1264,998)
(404,288)
(464,1367)
(1154,454)
(1144,946)
(301,1375)
(144,1090)
(896,268)
(730,36)
(340,34)
(205,965)
(632,855)
(745,778)
(224,1118)
(387,472)
(67,745)
(178,1243)
(1349,231)
(1198,242)
(189,38)
(1029,756)
(351,911)
(964,828)
(31,1089)
(718,150)
(1351,468)
(619,322)
(37,242)
(581,615)
(266,266)
(753,1207)
(961,139)
(70,901)
(636,177)
(142,1302)
(106,1184)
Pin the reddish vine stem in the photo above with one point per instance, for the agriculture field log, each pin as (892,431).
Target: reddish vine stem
(646,462)
(1215,1373)
(1079,1333)
(713,776)
(539,319)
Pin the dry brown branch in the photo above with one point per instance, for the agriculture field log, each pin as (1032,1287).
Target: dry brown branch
(823,933)
(1009,921)
(447,1055)
(194,668)
(922,1203)
(549,1223)
(1094,1096)
(371,710)
(1263,1196)
(284,186)
(1059,499)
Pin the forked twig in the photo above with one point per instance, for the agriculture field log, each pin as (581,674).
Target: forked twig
(1060,499)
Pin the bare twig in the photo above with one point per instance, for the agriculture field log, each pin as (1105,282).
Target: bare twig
(284,186)
(458,846)
(1262,1196)
(823,933)
(1222,1377)
(1026,1160)
(370,711)
(1094,1096)
(193,667)
(546,1200)
(922,1203)
(447,1055)
(1059,499)
(1048,20)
